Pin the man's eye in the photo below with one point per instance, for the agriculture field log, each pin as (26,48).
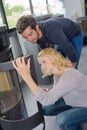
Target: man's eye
(30,34)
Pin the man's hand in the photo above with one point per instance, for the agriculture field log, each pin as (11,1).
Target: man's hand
(71,64)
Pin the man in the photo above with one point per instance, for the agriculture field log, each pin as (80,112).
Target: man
(62,32)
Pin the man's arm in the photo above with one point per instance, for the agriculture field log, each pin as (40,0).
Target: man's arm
(71,64)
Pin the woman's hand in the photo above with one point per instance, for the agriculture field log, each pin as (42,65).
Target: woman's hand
(46,89)
(22,68)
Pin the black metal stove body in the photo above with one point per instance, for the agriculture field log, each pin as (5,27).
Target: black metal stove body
(5,50)
(4,40)
(13,114)
(12,105)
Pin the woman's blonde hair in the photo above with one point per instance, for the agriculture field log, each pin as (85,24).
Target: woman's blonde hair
(58,59)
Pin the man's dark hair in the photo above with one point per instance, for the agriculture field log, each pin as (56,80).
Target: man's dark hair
(25,21)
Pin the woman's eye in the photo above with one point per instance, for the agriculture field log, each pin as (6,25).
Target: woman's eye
(43,61)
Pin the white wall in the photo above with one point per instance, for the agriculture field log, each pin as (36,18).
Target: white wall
(74,8)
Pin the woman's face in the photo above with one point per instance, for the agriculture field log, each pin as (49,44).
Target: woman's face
(46,65)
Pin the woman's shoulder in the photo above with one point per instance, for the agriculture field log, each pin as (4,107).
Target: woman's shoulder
(74,73)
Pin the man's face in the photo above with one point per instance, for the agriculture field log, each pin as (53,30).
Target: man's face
(30,34)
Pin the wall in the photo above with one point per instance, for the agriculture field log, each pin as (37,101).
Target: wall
(74,9)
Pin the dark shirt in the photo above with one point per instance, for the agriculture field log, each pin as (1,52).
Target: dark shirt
(59,31)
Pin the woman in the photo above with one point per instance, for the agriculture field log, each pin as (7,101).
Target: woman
(69,88)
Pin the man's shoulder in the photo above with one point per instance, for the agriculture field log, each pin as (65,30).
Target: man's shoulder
(45,21)
(49,23)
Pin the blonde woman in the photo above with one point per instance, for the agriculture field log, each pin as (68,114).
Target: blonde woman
(67,98)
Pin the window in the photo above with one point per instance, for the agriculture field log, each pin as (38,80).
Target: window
(56,6)
(15,8)
(39,7)
(1,22)
(48,6)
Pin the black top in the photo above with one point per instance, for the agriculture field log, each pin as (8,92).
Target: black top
(59,31)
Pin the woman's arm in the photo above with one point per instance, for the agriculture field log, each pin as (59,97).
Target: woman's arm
(24,70)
